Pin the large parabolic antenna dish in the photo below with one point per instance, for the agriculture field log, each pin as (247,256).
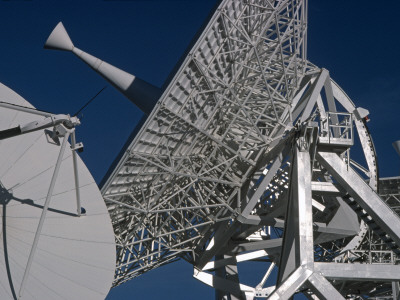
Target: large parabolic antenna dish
(246,156)
(75,256)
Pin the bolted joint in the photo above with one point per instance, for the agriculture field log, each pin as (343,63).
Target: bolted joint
(60,130)
(71,122)
(78,147)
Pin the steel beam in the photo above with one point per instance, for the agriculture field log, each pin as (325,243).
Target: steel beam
(323,76)
(236,289)
(325,188)
(255,196)
(233,260)
(323,288)
(358,272)
(292,283)
(298,243)
(365,196)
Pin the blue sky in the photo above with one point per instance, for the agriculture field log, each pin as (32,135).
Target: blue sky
(357,41)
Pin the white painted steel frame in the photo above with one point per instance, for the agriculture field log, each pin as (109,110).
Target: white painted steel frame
(210,166)
(184,173)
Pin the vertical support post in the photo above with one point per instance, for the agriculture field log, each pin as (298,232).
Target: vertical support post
(43,215)
(332,118)
(298,244)
(76,174)
(232,275)
(395,290)
(220,272)
(228,272)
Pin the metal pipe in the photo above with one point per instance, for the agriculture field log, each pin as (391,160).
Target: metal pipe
(25,109)
(76,173)
(43,215)
(269,271)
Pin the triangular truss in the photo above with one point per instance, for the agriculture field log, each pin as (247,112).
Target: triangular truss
(184,173)
(250,136)
(321,197)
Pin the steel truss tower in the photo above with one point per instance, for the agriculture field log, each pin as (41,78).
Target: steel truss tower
(248,136)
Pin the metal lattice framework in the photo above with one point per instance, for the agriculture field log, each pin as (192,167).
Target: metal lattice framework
(373,250)
(184,172)
(249,135)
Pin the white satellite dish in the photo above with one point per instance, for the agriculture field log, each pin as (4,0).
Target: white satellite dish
(75,255)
